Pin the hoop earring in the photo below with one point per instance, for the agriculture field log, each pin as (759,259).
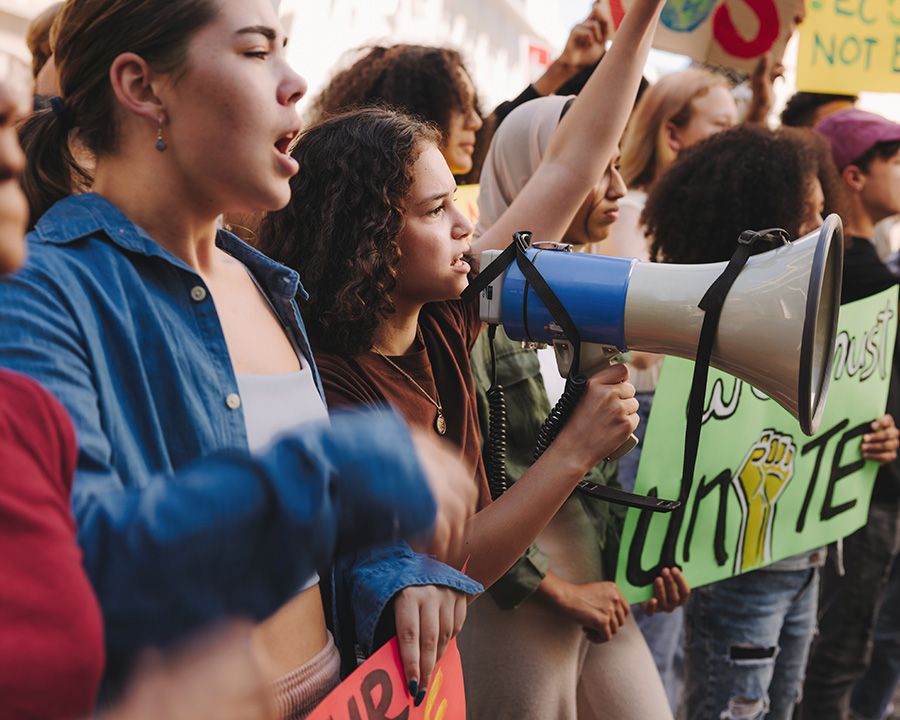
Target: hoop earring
(160,144)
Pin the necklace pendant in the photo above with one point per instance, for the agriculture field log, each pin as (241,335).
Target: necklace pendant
(440,424)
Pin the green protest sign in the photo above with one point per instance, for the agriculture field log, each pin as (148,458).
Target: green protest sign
(762,490)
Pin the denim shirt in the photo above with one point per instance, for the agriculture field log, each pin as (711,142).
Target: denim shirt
(178,524)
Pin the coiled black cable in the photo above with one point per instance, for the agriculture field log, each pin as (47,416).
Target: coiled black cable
(498,481)
(556,420)
(496,470)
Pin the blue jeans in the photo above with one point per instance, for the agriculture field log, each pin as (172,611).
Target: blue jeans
(849,603)
(874,691)
(746,643)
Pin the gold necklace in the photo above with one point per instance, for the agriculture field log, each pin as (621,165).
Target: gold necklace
(439,423)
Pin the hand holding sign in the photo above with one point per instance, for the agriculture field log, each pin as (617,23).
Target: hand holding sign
(377,691)
(882,443)
(427,617)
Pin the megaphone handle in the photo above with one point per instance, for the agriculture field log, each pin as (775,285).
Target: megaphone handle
(594,358)
(623,449)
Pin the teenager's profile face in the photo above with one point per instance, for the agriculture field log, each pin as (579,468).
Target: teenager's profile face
(593,221)
(15,104)
(230,111)
(881,192)
(434,236)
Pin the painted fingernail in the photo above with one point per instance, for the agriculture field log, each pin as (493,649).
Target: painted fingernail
(413,687)
(419,698)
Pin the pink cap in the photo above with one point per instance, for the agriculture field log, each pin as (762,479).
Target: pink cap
(853,132)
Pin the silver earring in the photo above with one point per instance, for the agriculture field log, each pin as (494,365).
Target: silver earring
(160,144)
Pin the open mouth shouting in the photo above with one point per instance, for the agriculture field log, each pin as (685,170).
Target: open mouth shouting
(460,264)
(283,146)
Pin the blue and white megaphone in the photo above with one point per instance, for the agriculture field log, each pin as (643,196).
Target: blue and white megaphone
(777,328)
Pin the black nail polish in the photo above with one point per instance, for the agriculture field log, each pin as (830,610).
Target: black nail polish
(413,687)
(419,698)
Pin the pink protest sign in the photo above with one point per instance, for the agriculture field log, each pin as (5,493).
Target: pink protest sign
(376,690)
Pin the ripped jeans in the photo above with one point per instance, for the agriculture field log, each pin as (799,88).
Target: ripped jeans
(746,643)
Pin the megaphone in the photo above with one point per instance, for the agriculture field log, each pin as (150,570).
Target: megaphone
(777,329)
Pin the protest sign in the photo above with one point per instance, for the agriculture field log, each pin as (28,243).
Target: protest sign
(730,33)
(466,199)
(849,46)
(762,490)
(377,690)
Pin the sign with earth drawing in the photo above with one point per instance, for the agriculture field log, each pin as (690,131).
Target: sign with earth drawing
(730,33)
(762,490)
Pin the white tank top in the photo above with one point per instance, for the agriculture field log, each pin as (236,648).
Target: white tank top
(276,404)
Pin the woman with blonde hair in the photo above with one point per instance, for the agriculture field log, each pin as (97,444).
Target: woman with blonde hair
(372,212)
(673,114)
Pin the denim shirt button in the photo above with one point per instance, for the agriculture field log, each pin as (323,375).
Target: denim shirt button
(815,557)
(233,401)
(198,293)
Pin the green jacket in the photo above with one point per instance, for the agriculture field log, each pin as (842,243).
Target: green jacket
(527,405)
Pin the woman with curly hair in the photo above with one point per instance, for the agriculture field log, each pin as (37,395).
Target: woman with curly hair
(382,249)
(431,82)
(749,177)
(713,194)
(434,84)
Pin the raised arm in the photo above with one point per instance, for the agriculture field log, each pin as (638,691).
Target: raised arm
(588,136)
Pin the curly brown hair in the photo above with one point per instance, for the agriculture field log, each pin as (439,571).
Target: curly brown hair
(421,80)
(340,229)
(745,178)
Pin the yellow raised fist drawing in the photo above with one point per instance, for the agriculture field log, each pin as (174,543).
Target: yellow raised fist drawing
(759,482)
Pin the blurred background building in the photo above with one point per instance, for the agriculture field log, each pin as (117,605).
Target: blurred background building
(506,43)
(14,18)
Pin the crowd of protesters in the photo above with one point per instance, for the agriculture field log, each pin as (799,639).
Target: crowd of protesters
(231,468)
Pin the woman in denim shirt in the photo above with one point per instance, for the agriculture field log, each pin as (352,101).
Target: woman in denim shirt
(146,323)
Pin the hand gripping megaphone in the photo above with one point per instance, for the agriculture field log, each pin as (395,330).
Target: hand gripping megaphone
(777,327)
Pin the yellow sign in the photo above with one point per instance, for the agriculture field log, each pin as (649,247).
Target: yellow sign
(467,200)
(849,46)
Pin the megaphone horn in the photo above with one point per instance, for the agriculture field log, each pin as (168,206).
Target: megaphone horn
(777,329)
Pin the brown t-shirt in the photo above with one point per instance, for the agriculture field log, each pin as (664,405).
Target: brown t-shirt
(449,330)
